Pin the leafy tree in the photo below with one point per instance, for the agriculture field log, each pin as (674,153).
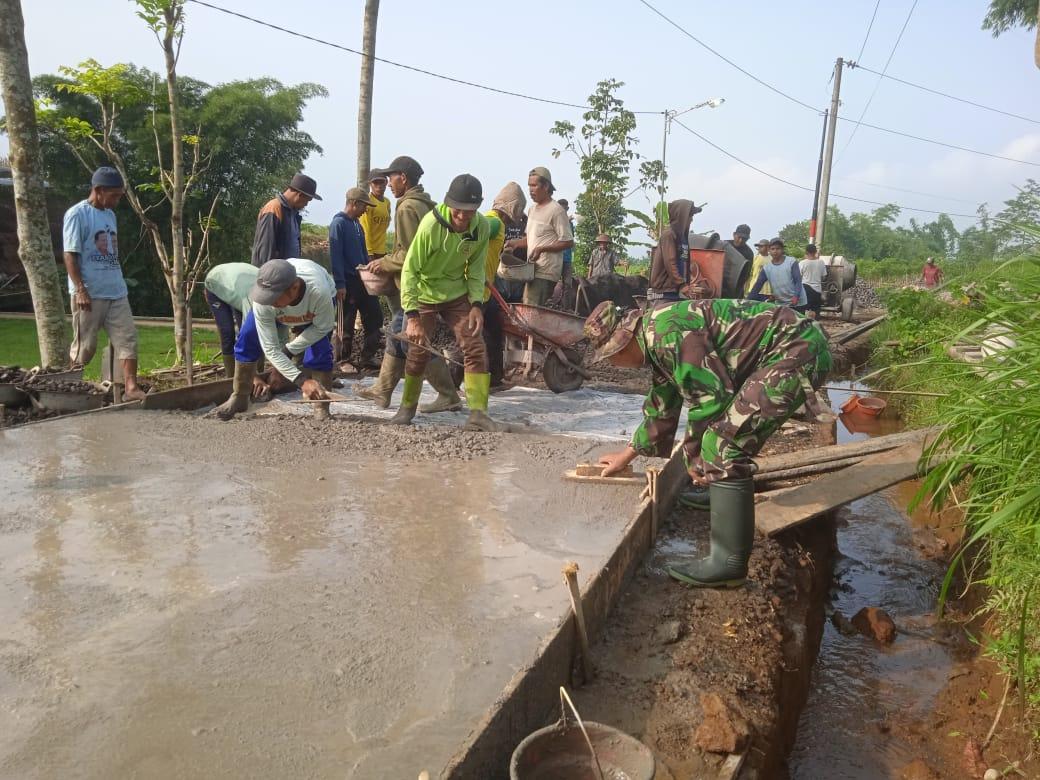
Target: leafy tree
(605,148)
(1017,230)
(1006,14)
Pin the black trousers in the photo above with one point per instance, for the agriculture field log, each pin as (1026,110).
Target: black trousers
(494,340)
(359,300)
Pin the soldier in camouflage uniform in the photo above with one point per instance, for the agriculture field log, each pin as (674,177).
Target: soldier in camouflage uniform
(742,368)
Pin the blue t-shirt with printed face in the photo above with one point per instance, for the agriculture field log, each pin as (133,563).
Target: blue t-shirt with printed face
(91,233)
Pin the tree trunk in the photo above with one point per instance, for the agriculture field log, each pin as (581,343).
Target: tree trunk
(34,235)
(172,16)
(368,68)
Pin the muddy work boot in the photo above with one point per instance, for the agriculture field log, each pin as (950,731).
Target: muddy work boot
(439,377)
(229,365)
(409,401)
(732,536)
(241,387)
(477,388)
(390,373)
(323,378)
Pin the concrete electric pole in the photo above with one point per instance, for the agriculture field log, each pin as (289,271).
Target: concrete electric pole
(828,156)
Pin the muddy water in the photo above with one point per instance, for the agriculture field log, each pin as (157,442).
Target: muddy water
(864,696)
(179,600)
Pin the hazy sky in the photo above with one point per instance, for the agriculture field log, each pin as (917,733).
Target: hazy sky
(559,50)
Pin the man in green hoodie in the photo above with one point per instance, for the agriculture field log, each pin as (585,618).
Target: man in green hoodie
(443,276)
(403,176)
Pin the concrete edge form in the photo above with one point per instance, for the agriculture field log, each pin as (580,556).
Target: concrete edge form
(190,397)
(528,700)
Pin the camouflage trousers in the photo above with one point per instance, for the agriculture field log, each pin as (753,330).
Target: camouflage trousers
(723,447)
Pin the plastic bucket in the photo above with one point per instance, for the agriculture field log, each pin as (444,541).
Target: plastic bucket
(868,405)
(712,264)
(514,268)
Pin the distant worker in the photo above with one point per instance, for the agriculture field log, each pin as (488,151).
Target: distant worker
(443,278)
(760,259)
(348,252)
(668,277)
(278,223)
(508,209)
(547,236)
(931,273)
(96,284)
(295,293)
(227,293)
(603,259)
(568,253)
(740,239)
(376,219)
(742,368)
(813,271)
(783,276)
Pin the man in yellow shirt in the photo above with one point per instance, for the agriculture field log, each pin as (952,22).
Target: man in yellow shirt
(376,219)
(761,258)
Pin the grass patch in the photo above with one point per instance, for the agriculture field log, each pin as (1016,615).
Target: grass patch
(19,347)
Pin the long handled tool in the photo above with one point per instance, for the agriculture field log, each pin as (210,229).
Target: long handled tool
(337,340)
(428,347)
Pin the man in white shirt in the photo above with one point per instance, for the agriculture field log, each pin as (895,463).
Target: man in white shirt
(814,270)
(548,235)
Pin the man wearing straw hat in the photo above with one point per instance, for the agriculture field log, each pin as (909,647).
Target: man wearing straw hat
(742,368)
(603,259)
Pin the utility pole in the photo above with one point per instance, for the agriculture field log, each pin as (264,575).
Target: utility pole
(828,155)
(819,174)
(368,69)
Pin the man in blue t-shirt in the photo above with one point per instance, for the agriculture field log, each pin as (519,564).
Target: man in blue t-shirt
(348,250)
(96,283)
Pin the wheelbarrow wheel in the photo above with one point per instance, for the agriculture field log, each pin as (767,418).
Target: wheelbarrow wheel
(848,306)
(559,377)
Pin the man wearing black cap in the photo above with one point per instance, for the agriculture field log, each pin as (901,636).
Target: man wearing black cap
(96,284)
(278,223)
(296,293)
(741,236)
(443,276)
(403,176)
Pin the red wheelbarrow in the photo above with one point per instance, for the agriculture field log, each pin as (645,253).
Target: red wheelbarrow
(536,337)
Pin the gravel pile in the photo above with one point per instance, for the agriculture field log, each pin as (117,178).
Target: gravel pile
(866,294)
(63,385)
(12,375)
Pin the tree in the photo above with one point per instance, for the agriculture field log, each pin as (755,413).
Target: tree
(604,146)
(34,234)
(1019,220)
(368,70)
(1005,14)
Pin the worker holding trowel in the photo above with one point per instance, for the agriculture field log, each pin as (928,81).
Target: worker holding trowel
(742,368)
(297,293)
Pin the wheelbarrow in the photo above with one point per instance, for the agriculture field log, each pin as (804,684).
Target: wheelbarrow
(536,337)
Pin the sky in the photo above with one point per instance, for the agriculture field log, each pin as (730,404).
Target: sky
(560,50)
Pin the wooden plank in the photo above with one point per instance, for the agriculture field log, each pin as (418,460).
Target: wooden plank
(731,767)
(805,502)
(809,457)
(189,398)
(637,478)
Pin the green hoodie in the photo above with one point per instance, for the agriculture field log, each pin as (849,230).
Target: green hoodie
(443,265)
(411,208)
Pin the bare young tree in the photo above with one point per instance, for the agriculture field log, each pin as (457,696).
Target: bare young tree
(34,235)
(368,69)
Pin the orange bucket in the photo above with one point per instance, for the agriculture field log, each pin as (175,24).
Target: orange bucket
(712,264)
(868,405)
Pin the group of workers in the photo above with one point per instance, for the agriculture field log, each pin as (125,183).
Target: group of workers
(741,366)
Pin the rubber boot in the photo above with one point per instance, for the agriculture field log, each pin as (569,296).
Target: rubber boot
(229,365)
(732,535)
(696,497)
(241,387)
(323,378)
(390,373)
(439,377)
(477,388)
(409,401)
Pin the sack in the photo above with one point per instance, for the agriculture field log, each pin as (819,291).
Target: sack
(378,283)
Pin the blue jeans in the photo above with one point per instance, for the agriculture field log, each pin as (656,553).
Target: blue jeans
(318,356)
(228,320)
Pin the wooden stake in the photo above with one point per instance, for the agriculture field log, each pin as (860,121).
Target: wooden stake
(570,576)
(651,489)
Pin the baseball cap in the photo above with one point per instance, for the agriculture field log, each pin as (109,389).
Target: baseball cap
(543,172)
(776,242)
(358,194)
(273,279)
(743,230)
(464,193)
(374,174)
(106,176)
(609,329)
(403,164)
(762,242)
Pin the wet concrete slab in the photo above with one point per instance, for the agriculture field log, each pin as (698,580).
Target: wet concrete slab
(184,598)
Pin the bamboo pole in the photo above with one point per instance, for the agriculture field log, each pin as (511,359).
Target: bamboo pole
(570,576)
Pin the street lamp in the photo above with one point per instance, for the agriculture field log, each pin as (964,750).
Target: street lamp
(714,102)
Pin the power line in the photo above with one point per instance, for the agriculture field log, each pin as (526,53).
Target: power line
(755,168)
(870,27)
(402,65)
(944,94)
(877,85)
(903,189)
(817,111)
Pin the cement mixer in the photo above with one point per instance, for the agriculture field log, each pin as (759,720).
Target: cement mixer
(838,284)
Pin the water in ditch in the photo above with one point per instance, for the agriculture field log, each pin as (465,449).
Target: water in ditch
(866,699)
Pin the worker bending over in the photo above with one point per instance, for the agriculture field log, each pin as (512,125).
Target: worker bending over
(742,368)
(299,294)
(443,276)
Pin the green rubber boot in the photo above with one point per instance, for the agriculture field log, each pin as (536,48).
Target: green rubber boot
(409,401)
(241,388)
(696,497)
(229,366)
(390,372)
(478,386)
(732,536)
(323,378)
(439,377)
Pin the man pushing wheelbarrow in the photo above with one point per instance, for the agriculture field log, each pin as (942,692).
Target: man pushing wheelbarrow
(743,368)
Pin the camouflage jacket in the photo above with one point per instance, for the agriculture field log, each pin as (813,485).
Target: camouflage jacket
(702,352)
